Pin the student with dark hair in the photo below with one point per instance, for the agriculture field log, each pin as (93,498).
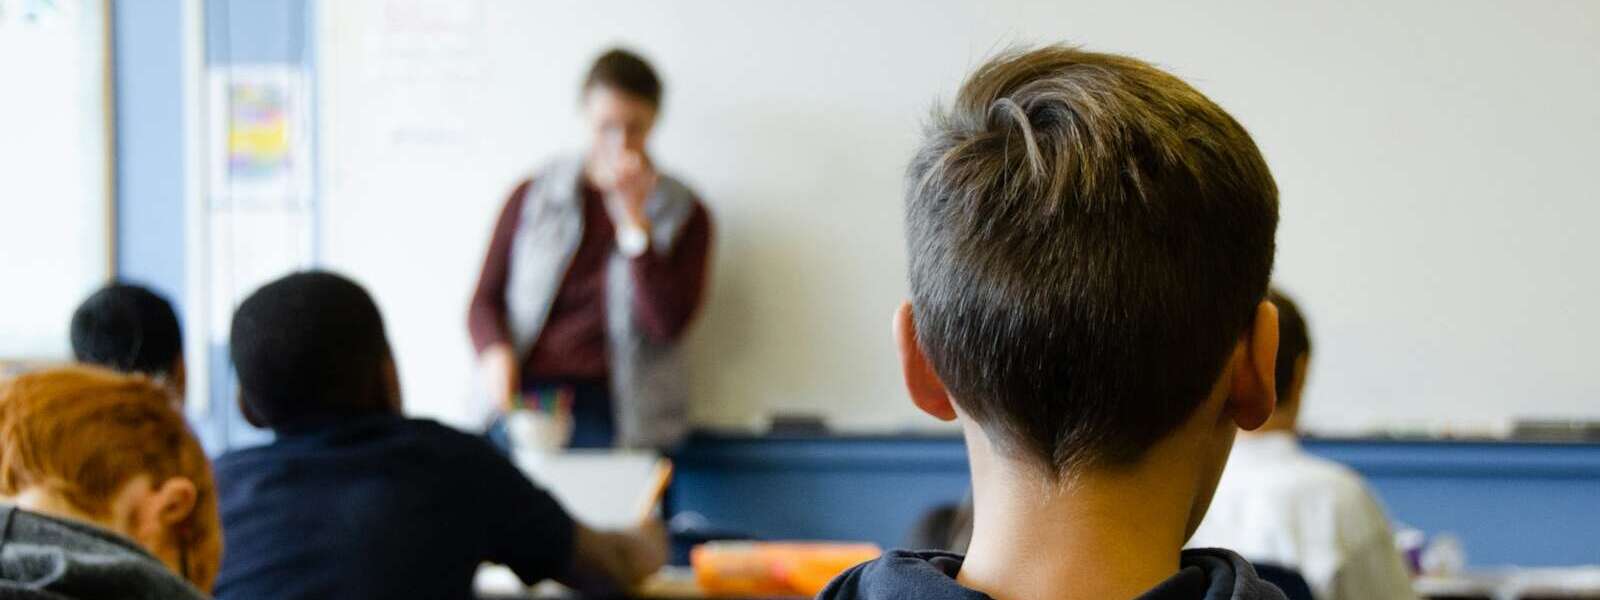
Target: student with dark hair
(353,500)
(1090,240)
(1278,504)
(597,265)
(131,329)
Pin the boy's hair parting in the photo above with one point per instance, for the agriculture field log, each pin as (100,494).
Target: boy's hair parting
(1088,237)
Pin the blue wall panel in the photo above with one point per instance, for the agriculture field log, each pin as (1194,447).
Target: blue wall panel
(147,61)
(860,489)
(1510,503)
(1524,504)
(148,83)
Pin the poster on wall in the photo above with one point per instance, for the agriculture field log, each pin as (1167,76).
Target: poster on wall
(260,136)
(259,208)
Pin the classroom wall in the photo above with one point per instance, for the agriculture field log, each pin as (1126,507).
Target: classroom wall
(1432,156)
(55,172)
(147,80)
(152,173)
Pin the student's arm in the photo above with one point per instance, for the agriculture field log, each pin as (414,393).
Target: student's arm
(669,283)
(1374,572)
(613,562)
(527,530)
(1372,569)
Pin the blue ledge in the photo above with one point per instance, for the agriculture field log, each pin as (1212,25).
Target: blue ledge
(1511,503)
(1464,458)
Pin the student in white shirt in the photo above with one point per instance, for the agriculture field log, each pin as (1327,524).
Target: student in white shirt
(1279,504)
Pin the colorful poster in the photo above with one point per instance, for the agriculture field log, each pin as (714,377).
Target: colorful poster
(260,152)
(258,131)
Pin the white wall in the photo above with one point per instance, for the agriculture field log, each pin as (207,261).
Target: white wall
(1435,161)
(55,210)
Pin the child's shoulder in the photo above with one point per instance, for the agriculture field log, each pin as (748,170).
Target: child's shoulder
(903,574)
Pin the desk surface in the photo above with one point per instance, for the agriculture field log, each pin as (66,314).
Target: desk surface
(1509,583)
(672,583)
(677,583)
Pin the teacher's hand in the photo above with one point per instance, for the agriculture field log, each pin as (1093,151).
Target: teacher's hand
(627,183)
(501,374)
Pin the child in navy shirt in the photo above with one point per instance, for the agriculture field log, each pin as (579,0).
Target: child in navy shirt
(353,500)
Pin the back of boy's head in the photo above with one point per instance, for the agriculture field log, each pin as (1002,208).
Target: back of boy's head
(1294,342)
(1089,238)
(84,433)
(127,328)
(308,348)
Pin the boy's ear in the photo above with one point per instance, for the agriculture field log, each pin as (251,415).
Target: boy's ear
(249,414)
(927,391)
(173,502)
(392,400)
(1255,388)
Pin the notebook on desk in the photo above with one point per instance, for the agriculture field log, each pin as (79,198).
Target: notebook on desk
(606,489)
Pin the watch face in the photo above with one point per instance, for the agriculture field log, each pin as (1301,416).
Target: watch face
(632,241)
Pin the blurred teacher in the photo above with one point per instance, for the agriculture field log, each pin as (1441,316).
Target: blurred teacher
(597,264)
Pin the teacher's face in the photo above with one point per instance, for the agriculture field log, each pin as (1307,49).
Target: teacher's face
(619,123)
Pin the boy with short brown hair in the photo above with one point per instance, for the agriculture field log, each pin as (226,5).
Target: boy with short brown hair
(1090,241)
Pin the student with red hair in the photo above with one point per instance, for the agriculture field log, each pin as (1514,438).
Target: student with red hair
(104,491)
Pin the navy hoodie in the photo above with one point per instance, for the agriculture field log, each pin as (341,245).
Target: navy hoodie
(1207,573)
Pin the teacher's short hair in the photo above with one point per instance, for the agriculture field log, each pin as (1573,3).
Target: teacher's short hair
(626,72)
(309,347)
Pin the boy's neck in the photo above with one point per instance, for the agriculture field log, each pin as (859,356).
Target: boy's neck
(1097,534)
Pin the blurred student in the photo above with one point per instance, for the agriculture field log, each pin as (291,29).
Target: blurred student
(353,500)
(1279,504)
(104,492)
(597,264)
(1090,242)
(131,329)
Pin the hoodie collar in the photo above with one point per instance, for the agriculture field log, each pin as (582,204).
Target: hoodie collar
(1209,574)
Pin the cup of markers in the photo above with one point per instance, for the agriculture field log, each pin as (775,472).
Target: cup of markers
(541,420)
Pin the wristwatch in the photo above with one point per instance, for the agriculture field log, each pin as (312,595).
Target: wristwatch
(632,241)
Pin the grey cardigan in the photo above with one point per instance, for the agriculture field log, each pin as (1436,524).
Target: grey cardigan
(649,385)
(43,557)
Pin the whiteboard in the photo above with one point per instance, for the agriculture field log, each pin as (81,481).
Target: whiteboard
(55,203)
(1436,161)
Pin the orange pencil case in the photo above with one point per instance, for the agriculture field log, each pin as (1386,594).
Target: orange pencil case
(798,569)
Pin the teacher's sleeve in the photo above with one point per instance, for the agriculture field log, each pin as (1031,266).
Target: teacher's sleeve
(669,285)
(486,316)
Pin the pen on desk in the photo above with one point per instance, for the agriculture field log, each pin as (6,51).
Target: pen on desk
(658,488)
